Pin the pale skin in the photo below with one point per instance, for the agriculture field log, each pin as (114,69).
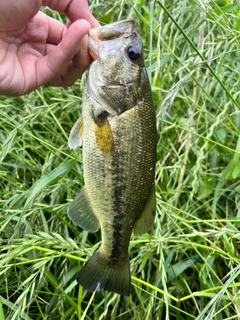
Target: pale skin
(36,49)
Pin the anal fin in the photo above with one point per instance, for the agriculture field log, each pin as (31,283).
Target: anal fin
(82,214)
(146,219)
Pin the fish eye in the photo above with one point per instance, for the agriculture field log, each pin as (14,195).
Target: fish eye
(133,53)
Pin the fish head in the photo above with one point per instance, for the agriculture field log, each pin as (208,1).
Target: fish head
(118,71)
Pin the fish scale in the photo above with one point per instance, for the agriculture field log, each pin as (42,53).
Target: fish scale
(118,133)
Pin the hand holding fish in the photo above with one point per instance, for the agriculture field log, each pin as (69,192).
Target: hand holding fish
(36,49)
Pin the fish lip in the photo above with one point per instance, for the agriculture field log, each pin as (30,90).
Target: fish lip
(97,36)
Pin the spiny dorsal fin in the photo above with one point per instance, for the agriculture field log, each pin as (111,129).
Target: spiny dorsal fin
(75,138)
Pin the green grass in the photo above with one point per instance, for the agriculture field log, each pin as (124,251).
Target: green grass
(189,266)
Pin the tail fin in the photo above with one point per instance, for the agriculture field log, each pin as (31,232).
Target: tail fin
(99,274)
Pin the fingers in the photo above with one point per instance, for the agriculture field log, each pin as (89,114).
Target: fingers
(16,14)
(74,9)
(73,46)
(55,30)
(76,68)
(55,67)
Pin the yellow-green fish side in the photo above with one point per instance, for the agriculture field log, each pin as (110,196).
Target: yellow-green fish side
(119,154)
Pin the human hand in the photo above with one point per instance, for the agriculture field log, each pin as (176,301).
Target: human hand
(36,49)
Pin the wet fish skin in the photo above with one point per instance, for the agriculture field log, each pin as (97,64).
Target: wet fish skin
(118,134)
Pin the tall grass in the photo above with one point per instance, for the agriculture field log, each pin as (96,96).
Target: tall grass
(189,266)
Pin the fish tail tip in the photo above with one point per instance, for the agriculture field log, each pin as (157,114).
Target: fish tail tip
(99,274)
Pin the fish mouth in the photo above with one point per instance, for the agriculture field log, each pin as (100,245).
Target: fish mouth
(99,35)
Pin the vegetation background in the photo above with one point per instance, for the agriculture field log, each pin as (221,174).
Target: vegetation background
(189,266)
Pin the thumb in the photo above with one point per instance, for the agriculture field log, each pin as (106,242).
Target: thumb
(59,59)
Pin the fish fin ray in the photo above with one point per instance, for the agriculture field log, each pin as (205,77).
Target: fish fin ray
(82,214)
(146,219)
(75,138)
(99,274)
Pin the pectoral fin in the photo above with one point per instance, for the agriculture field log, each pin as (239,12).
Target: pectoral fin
(75,138)
(145,221)
(82,214)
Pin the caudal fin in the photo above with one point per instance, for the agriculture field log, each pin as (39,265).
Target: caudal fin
(100,274)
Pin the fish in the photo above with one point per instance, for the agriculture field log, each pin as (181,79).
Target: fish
(117,130)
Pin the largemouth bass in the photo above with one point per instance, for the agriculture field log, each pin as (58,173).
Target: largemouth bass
(118,133)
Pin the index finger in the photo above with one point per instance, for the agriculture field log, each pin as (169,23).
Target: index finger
(74,10)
